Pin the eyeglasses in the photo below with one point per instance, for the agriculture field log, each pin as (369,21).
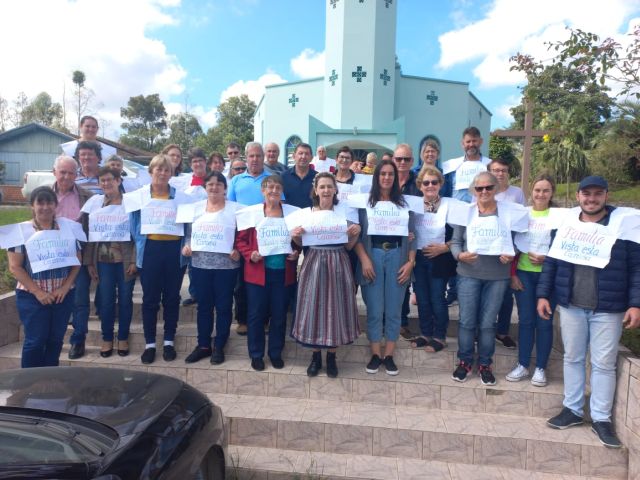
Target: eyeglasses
(482,188)
(239,169)
(426,183)
(344,157)
(499,170)
(403,159)
(235,152)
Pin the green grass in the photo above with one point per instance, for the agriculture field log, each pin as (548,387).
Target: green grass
(7,216)
(628,195)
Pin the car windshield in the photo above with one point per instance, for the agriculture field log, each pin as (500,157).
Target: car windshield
(32,438)
(133,166)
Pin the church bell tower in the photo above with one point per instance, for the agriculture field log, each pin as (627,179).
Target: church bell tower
(360,44)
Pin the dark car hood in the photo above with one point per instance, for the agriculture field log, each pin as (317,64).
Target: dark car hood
(126,400)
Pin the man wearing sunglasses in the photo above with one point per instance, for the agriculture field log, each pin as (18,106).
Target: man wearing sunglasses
(460,171)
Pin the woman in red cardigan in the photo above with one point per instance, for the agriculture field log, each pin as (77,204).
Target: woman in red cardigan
(270,276)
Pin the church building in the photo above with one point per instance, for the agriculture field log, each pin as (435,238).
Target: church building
(364,100)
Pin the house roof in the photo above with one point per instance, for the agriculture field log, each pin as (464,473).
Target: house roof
(65,137)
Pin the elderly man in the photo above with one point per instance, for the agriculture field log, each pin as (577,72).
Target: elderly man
(71,198)
(321,163)
(233,151)
(593,305)
(403,159)
(271,163)
(298,180)
(244,188)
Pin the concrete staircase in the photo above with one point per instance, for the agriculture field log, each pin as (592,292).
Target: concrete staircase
(419,424)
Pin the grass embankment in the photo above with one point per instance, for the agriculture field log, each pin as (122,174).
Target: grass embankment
(628,195)
(10,215)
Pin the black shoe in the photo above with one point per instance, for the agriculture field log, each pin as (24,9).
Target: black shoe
(486,375)
(606,435)
(507,342)
(168,353)
(217,357)
(461,372)
(316,364)
(277,362)
(189,301)
(123,348)
(332,367)
(198,354)
(565,419)
(76,351)
(390,365)
(257,364)
(374,364)
(148,356)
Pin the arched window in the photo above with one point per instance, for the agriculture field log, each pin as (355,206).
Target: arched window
(422,142)
(290,145)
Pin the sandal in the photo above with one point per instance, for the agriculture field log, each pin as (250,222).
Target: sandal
(420,342)
(434,346)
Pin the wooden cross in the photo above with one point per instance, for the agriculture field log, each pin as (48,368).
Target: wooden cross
(384,76)
(528,133)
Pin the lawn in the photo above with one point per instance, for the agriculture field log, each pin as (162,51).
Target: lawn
(628,195)
(10,215)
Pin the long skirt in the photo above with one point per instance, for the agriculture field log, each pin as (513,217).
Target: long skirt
(327,312)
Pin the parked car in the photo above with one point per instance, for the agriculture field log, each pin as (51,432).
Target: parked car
(35,178)
(107,424)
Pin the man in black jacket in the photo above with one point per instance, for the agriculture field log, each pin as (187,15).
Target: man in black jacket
(593,304)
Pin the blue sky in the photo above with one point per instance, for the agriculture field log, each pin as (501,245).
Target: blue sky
(199,52)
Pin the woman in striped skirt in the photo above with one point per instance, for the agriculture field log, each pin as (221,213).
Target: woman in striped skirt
(327,314)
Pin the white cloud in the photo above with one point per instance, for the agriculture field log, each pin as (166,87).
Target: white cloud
(111,42)
(503,112)
(309,64)
(206,118)
(254,89)
(510,27)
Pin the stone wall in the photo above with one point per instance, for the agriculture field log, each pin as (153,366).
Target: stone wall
(626,409)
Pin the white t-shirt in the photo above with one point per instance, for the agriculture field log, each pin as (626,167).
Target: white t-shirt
(512,194)
(323,165)
(69,149)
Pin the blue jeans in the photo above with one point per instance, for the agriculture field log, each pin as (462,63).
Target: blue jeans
(531,327)
(479,302)
(161,279)
(463,195)
(504,315)
(270,299)
(214,289)
(80,309)
(192,287)
(600,332)
(111,277)
(44,328)
(384,296)
(433,311)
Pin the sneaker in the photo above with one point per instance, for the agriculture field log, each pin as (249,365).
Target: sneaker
(486,375)
(277,362)
(374,364)
(517,374)
(606,435)
(168,353)
(188,302)
(565,419)
(390,365)
(507,342)
(148,356)
(460,373)
(539,378)
(198,354)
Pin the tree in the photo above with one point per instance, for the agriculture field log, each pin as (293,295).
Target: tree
(235,124)
(42,110)
(502,147)
(19,104)
(603,60)
(4,114)
(184,130)
(147,122)
(78,78)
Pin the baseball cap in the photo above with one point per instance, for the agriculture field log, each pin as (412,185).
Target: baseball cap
(593,181)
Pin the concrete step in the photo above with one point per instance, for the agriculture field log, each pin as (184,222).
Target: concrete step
(260,463)
(358,352)
(421,386)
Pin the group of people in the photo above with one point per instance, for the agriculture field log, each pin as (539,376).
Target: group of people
(242,235)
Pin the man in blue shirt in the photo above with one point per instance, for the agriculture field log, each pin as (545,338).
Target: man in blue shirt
(298,180)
